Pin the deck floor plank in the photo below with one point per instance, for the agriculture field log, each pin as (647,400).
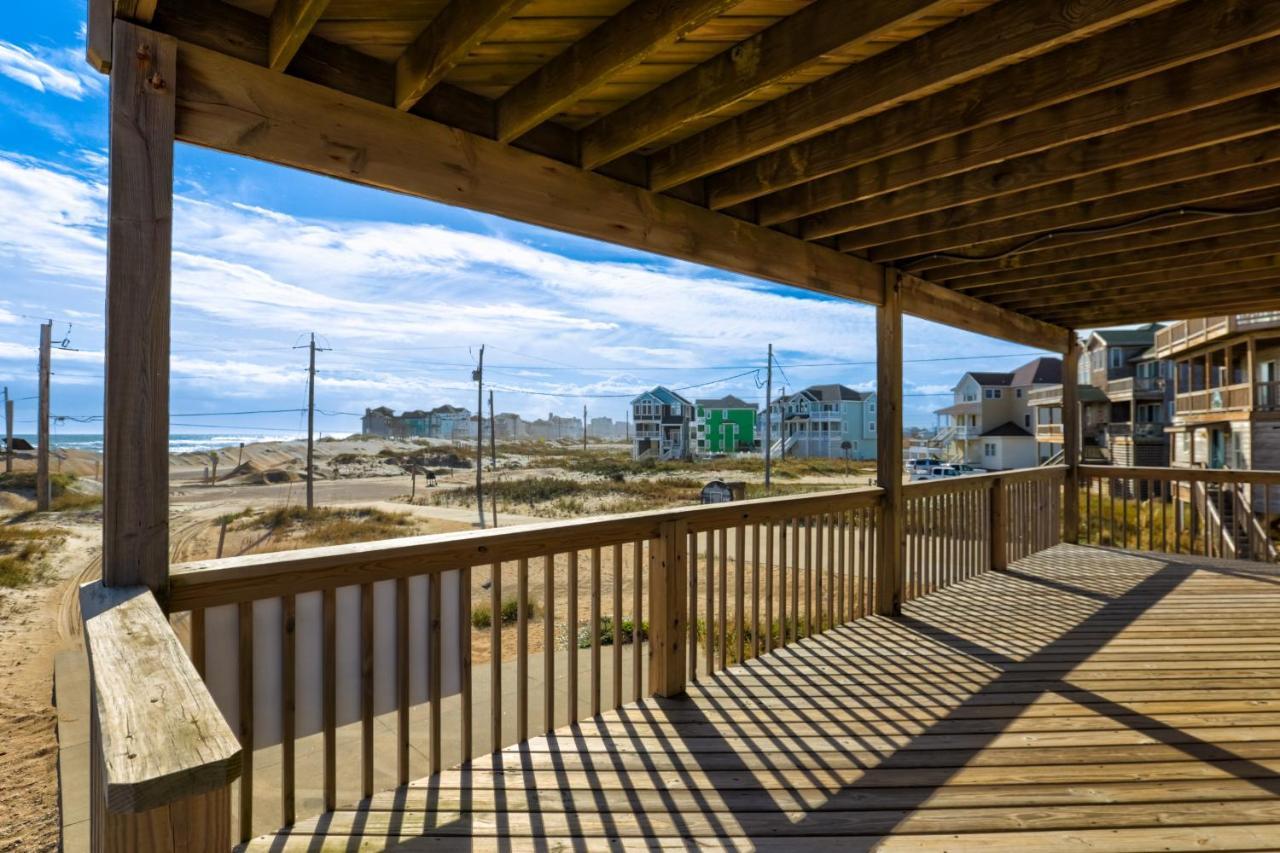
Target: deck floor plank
(1085,699)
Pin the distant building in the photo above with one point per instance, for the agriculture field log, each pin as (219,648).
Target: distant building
(662,421)
(606,429)
(724,425)
(819,420)
(990,423)
(441,422)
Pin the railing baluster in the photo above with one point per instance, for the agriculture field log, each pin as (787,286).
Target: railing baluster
(819,558)
(288,705)
(328,606)
(198,641)
(722,580)
(740,574)
(709,629)
(809,522)
(768,587)
(522,650)
(692,650)
(466,712)
(637,617)
(595,631)
(403,697)
(616,639)
(495,654)
(548,642)
(366,690)
(572,619)
(435,594)
(755,590)
(245,693)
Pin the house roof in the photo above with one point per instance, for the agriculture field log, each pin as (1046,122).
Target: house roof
(1045,370)
(727,402)
(1039,371)
(1008,428)
(990,378)
(666,395)
(1142,336)
(831,393)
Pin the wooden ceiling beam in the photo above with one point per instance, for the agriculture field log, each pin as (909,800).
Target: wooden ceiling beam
(291,21)
(622,41)
(792,44)
(454,33)
(1180,35)
(1003,252)
(964,49)
(1102,212)
(1161,140)
(1197,163)
(1240,73)
(1043,261)
(1221,271)
(138,11)
(234,106)
(1262,295)
(1119,264)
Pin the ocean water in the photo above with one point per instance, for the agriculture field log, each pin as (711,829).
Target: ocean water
(179,442)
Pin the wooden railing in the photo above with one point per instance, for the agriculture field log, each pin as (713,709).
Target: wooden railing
(960,527)
(1212,512)
(1214,399)
(352,669)
(337,657)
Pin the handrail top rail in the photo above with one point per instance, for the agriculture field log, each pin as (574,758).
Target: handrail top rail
(983,481)
(256,576)
(1225,475)
(162,737)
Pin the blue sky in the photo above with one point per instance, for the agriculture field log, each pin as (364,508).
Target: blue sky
(402,291)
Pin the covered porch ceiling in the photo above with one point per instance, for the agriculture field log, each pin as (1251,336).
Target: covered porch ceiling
(1021,166)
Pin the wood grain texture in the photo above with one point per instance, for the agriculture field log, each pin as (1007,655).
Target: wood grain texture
(794,43)
(1124,55)
(620,42)
(888,582)
(143,682)
(452,34)
(135,499)
(291,22)
(967,48)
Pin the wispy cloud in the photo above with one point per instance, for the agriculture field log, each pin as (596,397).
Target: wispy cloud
(58,71)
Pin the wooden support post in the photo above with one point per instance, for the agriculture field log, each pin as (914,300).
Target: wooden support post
(888,597)
(999,525)
(135,529)
(1071,441)
(668,604)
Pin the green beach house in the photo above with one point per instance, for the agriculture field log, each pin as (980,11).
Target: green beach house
(724,425)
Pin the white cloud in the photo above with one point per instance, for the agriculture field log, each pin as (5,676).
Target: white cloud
(61,72)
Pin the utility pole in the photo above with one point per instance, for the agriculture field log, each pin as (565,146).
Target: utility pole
(42,420)
(768,424)
(311,419)
(584,427)
(8,431)
(478,376)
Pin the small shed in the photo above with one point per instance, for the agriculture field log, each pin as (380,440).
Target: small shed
(718,491)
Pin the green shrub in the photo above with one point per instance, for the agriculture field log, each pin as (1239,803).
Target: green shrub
(511,610)
(627,633)
(481,617)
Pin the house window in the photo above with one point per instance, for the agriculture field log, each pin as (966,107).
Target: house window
(1117,357)
(1026,421)
(873,426)
(992,393)
(989,448)
(1018,393)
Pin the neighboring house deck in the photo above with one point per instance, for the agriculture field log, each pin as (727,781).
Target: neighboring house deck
(1119,695)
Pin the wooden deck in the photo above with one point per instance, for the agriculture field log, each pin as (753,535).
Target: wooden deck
(1086,699)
